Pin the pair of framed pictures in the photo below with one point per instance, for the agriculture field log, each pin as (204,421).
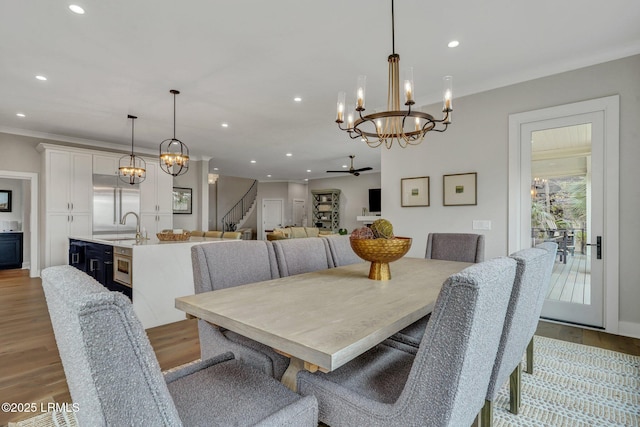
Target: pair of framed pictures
(457,190)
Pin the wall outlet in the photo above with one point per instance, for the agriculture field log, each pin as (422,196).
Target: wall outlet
(481,224)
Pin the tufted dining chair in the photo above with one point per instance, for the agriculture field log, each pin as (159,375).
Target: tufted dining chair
(445,383)
(304,255)
(213,233)
(340,249)
(223,265)
(115,379)
(197,233)
(464,247)
(520,323)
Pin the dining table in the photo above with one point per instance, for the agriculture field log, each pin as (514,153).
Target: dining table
(323,319)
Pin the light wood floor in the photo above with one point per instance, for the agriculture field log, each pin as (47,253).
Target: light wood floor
(31,371)
(571,282)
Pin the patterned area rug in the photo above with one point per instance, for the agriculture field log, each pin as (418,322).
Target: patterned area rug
(573,385)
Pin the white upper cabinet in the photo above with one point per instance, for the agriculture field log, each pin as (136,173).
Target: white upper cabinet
(105,164)
(156,190)
(68,181)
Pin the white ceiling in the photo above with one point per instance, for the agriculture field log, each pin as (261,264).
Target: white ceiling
(242,62)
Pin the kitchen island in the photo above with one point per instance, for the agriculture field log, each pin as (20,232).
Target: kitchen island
(158,273)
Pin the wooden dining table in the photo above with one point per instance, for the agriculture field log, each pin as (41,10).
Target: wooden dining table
(324,319)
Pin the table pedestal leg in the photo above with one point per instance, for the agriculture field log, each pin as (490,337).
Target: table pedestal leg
(289,377)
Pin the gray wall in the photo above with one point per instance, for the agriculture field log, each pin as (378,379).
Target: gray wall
(354,195)
(478,142)
(229,190)
(192,179)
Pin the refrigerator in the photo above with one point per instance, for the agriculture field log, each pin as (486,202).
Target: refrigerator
(113,198)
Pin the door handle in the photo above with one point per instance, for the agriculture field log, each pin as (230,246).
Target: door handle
(75,258)
(598,246)
(92,264)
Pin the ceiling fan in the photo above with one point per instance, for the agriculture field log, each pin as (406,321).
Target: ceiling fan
(352,171)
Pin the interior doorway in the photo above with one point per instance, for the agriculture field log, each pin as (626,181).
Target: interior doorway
(32,180)
(563,188)
(272,210)
(299,214)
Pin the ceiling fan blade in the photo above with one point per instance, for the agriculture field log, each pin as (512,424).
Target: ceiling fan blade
(363,169)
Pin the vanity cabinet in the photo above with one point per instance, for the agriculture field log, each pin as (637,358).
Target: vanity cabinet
(10,250)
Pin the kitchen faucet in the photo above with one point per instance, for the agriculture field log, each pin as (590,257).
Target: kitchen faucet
(124,220)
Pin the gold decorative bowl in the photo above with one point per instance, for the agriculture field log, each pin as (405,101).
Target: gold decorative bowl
(380,252)
(171,237)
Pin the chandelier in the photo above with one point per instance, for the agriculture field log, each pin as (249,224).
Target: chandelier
(406,127)
(132,169)
(174,154)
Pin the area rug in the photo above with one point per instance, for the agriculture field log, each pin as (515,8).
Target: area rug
(573,385)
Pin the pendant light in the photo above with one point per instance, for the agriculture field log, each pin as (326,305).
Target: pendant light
(132,169)
(174,154)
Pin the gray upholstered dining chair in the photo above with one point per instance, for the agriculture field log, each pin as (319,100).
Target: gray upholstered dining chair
(445,383)
(115,379)
(551,248)
(464,247)
(341,251)
(519,325)
(304,255)
(228,264)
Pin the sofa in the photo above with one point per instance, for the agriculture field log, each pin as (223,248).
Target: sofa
(296,233)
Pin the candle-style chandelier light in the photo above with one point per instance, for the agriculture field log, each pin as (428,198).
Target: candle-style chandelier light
(406,127)
(131,168)
(174,154)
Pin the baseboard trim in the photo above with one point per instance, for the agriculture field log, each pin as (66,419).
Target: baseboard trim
(629,329)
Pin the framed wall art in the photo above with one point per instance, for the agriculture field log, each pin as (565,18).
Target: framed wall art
(460,189)
(182,200)
(414,191)
(5,200)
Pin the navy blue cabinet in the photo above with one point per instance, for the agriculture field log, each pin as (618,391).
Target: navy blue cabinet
(96,260)
(10,250)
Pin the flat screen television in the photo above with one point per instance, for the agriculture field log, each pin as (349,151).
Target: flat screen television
(375,202)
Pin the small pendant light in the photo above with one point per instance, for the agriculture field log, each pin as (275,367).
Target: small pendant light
(132,169)
(174,154)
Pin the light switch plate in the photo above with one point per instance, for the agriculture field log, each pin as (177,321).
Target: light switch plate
(481,224)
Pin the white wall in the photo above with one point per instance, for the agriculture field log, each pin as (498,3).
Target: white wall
(354,195)
(478,142)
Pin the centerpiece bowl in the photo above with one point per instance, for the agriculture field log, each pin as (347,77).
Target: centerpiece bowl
(380,252)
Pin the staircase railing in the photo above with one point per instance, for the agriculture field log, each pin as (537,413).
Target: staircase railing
(231,219)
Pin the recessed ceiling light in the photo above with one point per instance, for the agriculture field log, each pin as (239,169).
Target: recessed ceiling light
(297,99)
(344,166)
(289,154)
(20,115)
(76,9)
(42,78)
(308,170)
(268,176)
(454,43)
(215,169)
(225,125)
(253,161)
(306,179)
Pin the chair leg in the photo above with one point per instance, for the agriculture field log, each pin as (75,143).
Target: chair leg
(529,369)
(486,414)
(514,390)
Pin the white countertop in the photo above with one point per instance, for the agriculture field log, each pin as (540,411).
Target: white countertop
(129,241)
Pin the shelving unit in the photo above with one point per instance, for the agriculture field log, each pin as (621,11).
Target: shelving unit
(326,209)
